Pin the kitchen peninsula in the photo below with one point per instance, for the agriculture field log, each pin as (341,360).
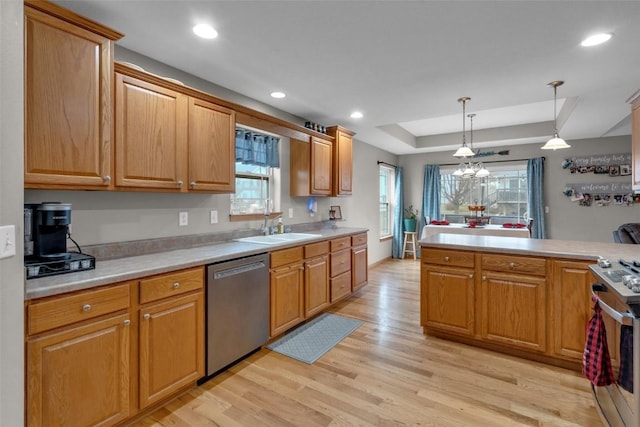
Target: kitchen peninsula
(526,297)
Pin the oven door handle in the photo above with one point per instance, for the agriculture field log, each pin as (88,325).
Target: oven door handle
(625,318)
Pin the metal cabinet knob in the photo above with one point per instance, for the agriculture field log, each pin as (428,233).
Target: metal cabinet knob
(147,316)
(180,183)
(176,285)
(127,322)
(512,265)
(484,277)
(471,276)
(106,178)
(86,307)
(193,184)
(446,258)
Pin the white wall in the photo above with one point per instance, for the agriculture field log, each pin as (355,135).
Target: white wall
(565,220)
(11,183)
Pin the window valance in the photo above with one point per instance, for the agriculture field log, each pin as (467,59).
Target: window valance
(254,148)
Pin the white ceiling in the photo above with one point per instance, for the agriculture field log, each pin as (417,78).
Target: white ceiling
(404,64)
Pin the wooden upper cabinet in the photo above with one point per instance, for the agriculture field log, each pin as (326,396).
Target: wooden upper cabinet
(151,135)
(211,147)
(68,99)
(342,160)
(310,162)
(635,141)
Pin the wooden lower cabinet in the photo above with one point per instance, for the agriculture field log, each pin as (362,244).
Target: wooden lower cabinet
(448,301)
(287,297)
(359,262)
(100,356)
(79,376)
(514,310)
(316,285)
(171,347)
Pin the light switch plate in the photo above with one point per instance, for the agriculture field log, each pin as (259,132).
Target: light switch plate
(7,241)
(213,218)
(290,212)
(184,219)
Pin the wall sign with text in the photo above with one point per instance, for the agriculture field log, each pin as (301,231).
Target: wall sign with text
(605,164)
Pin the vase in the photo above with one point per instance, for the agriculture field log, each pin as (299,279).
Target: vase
(410,224)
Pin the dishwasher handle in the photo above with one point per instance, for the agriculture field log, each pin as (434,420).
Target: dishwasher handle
(233,271)
(622,318)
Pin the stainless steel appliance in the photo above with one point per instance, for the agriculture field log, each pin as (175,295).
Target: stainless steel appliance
(619,403)
(237,309)
(46,229)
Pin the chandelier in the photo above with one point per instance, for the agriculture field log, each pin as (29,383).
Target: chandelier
(468,169)
(556,142)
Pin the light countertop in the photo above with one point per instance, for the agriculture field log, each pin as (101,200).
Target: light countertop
(129,268)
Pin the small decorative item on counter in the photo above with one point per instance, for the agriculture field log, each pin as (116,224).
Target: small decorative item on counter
(280,226)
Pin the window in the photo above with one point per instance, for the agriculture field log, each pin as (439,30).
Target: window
(503,193)
(387,181)
(254,185)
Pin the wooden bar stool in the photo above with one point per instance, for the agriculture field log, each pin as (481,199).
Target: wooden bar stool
(409,238)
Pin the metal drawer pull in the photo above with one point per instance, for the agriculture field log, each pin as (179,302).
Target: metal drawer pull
(176,285)
(146,316)
(512,265)
(86,307)
(446,258)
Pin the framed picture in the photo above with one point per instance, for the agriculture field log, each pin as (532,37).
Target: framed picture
(614,170)
(625,169)
(335,212)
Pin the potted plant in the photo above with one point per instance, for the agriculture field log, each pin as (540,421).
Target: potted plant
(410,218)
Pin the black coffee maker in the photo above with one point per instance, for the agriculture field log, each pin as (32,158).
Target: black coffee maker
(46,229)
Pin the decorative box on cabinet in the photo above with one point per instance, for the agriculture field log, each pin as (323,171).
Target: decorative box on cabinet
(68,99)
(310,163)
(342,160)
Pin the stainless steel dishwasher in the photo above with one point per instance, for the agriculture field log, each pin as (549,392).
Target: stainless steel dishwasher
(237,309)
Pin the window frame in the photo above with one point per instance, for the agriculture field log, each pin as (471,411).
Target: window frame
(390,203)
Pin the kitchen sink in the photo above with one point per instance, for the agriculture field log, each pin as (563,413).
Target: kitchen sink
(276,239)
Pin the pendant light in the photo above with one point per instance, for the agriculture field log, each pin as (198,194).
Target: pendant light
(464,151)
(556,142)
(471,169)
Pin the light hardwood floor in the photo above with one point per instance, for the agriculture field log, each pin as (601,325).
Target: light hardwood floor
(386,373)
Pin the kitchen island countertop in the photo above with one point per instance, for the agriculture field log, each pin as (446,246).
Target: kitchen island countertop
(129,268)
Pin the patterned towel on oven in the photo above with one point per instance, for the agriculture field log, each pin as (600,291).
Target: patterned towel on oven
(625,375)
(596,363)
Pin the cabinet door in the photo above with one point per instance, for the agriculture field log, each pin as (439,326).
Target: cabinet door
(321,152)
(68,106)
(287,298)
(80,376)
(342,164)
(513,310)
(448,296)
(211,147)
(359,267)
(316,285)
(171,346)
(635,143)
(570,301)
(151,135)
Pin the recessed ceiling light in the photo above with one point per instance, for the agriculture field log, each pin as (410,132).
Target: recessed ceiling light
(596,39)
(205,31)
(278,94)
(356,115)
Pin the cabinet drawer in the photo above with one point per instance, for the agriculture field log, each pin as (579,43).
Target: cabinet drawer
(341,243)
(65,310)
(285,256)
(448,257)
(340,286)
(358,240)
(166,285)
(316,249)
(514,264)
(340,262)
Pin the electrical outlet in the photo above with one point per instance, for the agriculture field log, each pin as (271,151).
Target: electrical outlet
(290,212)
(213,218)
(7,241)
(183,219)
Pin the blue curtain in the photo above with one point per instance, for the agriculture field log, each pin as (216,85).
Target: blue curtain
(253,148)
(431,193)
(535,196)
(398,206)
